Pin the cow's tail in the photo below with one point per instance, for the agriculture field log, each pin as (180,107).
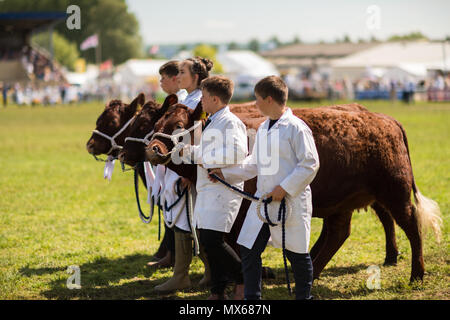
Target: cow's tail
(427,211)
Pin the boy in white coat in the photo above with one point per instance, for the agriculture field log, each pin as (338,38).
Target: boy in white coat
(223,143)
(285,160)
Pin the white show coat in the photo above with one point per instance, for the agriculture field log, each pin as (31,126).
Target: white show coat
(223,143)
(192,99)
(170,177)
(292,164)
(181,94)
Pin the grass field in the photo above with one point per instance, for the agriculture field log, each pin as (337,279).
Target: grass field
(56,210)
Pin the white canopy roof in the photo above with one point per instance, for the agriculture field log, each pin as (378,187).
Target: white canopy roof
(139,69)
(414,57)
(248,63)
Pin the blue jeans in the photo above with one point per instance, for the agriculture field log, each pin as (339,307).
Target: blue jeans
(252,267)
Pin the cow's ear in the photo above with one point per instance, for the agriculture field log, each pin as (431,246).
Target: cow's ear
(169,101)
(137,103)
(198,113)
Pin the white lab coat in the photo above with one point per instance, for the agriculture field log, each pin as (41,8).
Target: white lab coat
(182,94)
(167,180)
(293,147)
(223,143)
(192,99)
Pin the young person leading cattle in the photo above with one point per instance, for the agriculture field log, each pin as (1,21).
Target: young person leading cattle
(223,142)
(169,79)
(191,73)
(286,171)
(165,255)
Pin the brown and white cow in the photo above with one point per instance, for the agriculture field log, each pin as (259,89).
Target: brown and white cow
(364,161)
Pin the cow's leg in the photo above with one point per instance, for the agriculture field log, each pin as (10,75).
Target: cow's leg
(403,213)
(338,230)
(389,231)
(318,245)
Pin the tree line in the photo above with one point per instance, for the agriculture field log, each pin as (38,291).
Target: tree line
(118,29)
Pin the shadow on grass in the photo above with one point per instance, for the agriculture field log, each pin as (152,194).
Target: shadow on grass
(129,278)
(339,271)
(277,288)
(98,279)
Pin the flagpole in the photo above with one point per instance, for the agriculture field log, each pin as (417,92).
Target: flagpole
(98,51)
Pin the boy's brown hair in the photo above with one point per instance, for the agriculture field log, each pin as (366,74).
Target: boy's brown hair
(219,86)
(272,86)
(170,68)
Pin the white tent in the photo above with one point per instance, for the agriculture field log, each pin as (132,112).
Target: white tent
(85,78)
(411,59)
(139,71)
(245,68)
(244,62)
(138,75)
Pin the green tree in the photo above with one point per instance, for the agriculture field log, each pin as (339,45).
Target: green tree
(210,52)
(296,40)
(346,39)
(275,41)
(65,52)
(254,45)
(373,39)
(118,29)
(233,46)
(412,36)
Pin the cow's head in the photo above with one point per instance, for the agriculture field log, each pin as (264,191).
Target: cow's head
(134,151)
(178,117)
(110,122)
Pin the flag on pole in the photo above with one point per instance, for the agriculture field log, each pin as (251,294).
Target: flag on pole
(90,42)
(154,49)
(106,65)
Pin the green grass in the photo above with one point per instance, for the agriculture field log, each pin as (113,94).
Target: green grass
(56,210)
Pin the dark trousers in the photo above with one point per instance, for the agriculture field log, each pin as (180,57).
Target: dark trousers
(252,265)
(224,262)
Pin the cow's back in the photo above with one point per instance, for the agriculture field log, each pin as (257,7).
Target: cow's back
(359,152)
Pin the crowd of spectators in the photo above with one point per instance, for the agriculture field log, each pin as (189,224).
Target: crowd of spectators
(313,85)
(36,63)
(48,95)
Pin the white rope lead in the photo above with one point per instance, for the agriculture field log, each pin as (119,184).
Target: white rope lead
(112,140)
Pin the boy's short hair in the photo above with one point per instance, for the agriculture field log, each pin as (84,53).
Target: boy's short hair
(170,68)
(273,86)
(219,86)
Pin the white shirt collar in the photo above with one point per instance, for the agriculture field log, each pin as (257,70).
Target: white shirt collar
(281,120)
(218,113)
(192,99)
(194,94)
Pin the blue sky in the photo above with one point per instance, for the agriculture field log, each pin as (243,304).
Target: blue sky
(175,21)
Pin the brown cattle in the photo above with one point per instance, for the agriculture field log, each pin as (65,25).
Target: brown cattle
(113,119)
(364,161)
(133,152)
(116,117)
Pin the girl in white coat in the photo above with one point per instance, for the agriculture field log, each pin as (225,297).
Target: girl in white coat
(287,170)
(191,73)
